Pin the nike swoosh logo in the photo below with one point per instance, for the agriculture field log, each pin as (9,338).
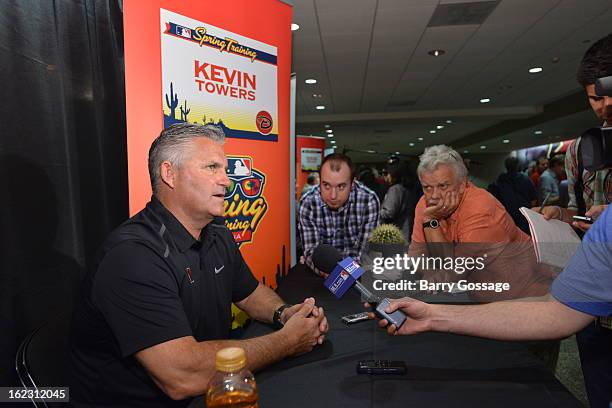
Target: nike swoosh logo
(219,269)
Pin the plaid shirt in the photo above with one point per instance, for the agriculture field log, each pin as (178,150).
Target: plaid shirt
(346,229)
(597,185)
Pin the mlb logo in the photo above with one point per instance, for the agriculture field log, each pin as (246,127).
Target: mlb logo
(344,275)
(183,32)
(239,166)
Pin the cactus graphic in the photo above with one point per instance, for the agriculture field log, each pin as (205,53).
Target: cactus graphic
(173,102)
(185,112)
(387,234)
(204,119)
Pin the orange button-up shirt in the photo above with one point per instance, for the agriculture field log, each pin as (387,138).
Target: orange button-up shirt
(481,225)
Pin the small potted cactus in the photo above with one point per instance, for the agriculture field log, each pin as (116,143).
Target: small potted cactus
(388,240)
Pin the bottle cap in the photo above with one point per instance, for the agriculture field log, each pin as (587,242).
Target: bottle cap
(230,359)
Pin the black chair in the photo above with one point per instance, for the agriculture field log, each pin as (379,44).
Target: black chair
(41,359)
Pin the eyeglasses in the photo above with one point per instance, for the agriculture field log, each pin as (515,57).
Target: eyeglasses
(250,186)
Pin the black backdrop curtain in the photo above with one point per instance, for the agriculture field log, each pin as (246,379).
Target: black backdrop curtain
(62,154)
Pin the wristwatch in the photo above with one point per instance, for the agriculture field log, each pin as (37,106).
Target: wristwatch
(276,318)
(433,224)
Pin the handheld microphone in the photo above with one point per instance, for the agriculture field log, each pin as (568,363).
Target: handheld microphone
(344,274)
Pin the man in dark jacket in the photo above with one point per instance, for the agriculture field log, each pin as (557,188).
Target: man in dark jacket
(514,190)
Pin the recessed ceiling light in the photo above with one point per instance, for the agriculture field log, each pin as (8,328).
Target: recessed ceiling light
(420,139)
(436,53)
(483,147)
(537,132)
(371,151)
(535,70)
(440,127)
(485,100)
(320,107)
(466,151)
(329,131)
(397,152)
(410,144)
(333,142)
(330,135)
(327,126)
(317,96)
(310,81)
(295,27)
(506,141)
(432,131)
(449,121)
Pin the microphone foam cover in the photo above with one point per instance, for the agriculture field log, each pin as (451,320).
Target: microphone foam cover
(325,257)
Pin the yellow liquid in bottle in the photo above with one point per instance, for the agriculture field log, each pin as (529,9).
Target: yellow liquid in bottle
(233,399)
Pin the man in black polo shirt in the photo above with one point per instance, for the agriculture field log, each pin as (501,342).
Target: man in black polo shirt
(156,306)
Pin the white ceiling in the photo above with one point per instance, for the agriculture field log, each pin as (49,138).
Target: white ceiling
(382,90)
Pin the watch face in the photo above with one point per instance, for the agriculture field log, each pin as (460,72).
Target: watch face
(434,223)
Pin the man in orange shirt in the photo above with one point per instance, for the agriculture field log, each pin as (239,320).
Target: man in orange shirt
(456,219)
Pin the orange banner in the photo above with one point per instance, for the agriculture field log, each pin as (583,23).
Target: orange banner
(179,55)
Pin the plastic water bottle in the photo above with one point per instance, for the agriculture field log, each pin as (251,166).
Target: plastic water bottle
(232,385)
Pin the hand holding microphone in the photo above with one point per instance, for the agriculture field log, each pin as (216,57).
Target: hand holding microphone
(344,274)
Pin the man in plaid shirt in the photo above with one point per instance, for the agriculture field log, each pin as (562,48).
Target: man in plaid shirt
(340,211)
(592,199)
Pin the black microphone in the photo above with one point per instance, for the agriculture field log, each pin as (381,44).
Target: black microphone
(343,274)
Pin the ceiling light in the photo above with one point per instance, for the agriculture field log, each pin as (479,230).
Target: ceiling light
(310,81)
(330,135)
(411,144)
(371,151)
(397,152)
(333,142)
(485,100)
(535,70)
(432,131)
(420,139)
(537,132)
(506,141)
(317,96)
(449,121)
(483,147)
(327,126)
(329,131)
(466,151)
(436,53)
(295,27)
(320,107)
(440,127)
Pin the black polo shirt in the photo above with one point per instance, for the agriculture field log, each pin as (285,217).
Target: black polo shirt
(152,282)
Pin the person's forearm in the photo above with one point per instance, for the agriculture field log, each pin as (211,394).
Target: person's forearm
(199,361)
(261,304)
(535,319)
(437,244)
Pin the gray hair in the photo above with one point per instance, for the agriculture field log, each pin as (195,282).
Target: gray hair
(172,145)
(435,156)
